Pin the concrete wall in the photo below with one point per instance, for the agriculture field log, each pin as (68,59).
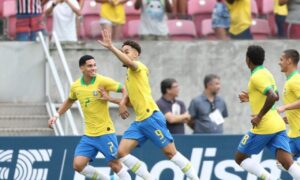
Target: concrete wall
(22,72)
(188,62)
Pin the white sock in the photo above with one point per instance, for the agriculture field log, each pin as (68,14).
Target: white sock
(185,165)
(123,174)
(136,166)
(93,173)
(255,168)
(294,171)
(279,165)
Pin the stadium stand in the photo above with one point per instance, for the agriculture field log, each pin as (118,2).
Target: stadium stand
(181,30)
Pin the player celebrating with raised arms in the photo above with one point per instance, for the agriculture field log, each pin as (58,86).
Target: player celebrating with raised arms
(150,122)
(268,127)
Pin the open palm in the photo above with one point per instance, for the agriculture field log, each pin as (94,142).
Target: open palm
(106,42)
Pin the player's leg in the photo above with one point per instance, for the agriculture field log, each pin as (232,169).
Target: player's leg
(252,144)
(155,128)
(280,145)
(108,146)
(132,138)
(83,154)
(117,31)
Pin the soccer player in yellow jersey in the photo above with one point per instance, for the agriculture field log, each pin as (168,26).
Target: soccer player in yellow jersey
(99,135)
(150,122)
(268,127)
(291,97)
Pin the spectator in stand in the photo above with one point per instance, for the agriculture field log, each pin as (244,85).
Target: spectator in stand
(29,19)
(173,109)
(220,20)
(208,110)
(153,19)
(293,18)
(280,16)
(179,9)
(240,18)
(113,17)
(64,18)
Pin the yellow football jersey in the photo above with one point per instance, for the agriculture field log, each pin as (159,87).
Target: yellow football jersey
(260,83)
(115,14)
(96,112)
(291,93)
(280,10)
(139,92)
(240,16)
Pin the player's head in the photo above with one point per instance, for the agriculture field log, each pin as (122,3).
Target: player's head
(288,59)
(169,86)
(212,83)
(255,56)
(87,65)
(132,49)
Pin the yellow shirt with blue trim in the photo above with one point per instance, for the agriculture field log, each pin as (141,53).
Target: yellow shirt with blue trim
(115,14)
(240,16)
(139,92)
(96,112)
(280,10)
(260,83)
(291,93)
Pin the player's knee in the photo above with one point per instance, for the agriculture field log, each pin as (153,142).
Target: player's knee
(78,167)
(122,153)
(238,158)
(115,165)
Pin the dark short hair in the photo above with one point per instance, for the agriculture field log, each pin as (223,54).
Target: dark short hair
(84,58)
(133,44)
(208,78)
(166,84)
(256,54)
(293,54)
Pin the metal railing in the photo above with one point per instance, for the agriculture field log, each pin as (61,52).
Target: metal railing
(50,106)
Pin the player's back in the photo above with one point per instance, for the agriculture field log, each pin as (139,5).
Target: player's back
(260,83)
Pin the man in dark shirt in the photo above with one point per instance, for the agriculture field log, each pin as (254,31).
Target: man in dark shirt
(174,110)
(208,110)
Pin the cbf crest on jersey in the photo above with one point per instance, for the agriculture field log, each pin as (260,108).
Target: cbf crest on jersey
(95,93)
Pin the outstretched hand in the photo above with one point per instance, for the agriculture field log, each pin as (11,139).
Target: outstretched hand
(106,42)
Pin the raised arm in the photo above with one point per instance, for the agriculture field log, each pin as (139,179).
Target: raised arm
(107,43)
(62,109)
(272,97)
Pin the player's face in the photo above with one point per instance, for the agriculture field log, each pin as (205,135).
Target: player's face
(214,86)
(130,52)
(90,68)
(283,63)
(174,90)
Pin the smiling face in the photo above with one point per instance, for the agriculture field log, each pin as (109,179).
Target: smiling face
(89,69)
(284,62)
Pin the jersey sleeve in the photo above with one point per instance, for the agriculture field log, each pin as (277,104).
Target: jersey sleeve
(72,94)
(111,85)
(263,83)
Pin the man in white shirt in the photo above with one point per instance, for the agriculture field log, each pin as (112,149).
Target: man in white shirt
(64,18)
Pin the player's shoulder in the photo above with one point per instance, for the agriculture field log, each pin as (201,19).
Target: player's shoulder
(76,83)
